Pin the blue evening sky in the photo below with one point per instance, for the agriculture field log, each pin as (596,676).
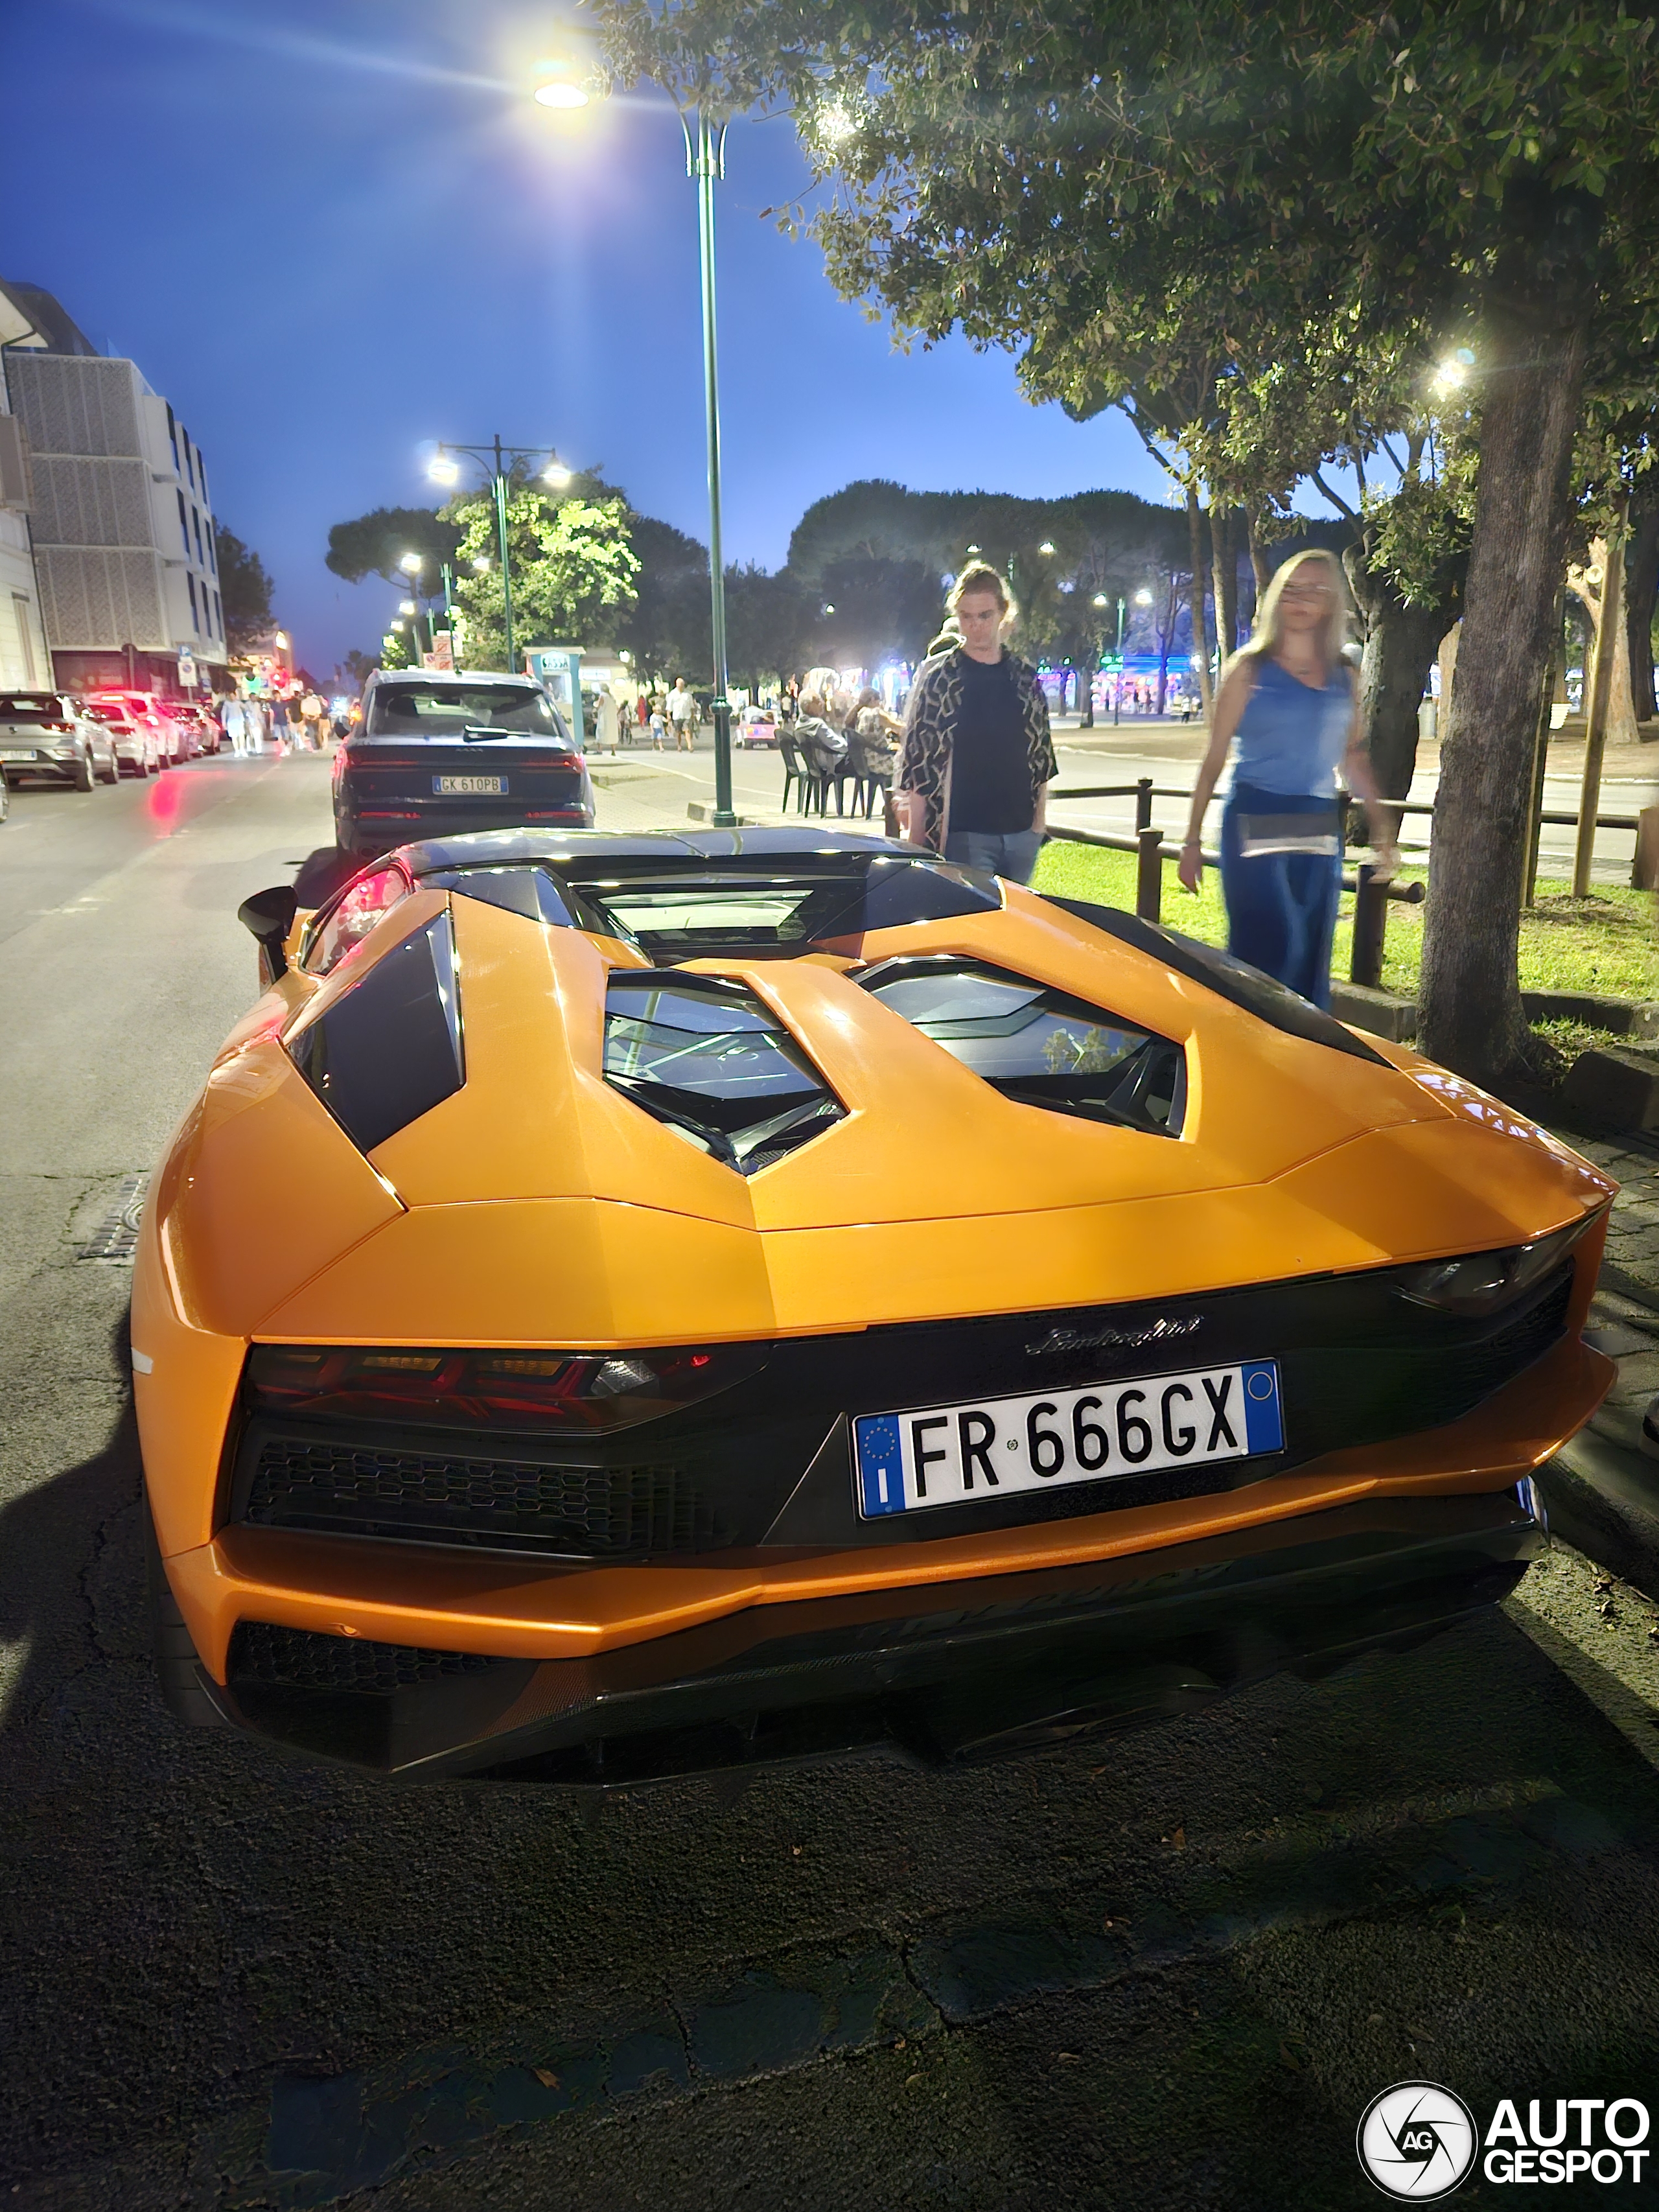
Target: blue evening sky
(330,229)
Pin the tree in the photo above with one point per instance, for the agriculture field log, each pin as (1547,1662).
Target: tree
(374,544)
(872,608)
(360,666)
(574,566)
(666,630)
(1465,166)
(244,591)
(767,619)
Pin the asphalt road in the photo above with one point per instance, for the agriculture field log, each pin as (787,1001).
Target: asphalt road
(1167,1970)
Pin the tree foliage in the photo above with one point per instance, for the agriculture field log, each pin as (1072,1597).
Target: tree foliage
(574,567)
(1150,203)
(374,544)
(245,590)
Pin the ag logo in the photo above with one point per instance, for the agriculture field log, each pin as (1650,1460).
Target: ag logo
(1417,2141)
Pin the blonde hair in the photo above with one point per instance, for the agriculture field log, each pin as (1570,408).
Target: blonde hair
(1267,630)
(979,576)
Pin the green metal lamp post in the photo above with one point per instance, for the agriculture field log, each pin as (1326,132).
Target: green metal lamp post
(705,161)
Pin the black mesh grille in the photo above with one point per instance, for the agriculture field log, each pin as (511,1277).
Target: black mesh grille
(585,1511)
(1351,1395)
(301,1659)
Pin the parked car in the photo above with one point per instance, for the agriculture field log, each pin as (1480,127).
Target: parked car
(136,741)
(201,731)
(145,707)
(631,1303)
(438,755)
(754,727)
(43,734)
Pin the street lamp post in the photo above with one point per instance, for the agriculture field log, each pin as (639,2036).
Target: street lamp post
(705,161)
(571,82)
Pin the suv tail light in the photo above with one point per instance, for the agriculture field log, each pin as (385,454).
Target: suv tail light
(508,1389)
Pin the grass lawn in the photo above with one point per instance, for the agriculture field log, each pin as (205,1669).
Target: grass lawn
(1609,943)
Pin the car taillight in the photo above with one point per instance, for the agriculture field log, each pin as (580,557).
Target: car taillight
(524,1389)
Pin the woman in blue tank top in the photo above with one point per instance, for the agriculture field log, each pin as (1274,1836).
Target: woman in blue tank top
(1288,698)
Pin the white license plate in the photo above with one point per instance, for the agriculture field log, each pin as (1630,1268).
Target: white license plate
(972,1454)
(16,756)
(470,787)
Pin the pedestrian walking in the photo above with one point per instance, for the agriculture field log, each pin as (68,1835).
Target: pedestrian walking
(312,712)
(683,714)
(658,724)
(1289,700)
(976,758)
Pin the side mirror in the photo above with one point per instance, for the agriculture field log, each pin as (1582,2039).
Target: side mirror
(268,916)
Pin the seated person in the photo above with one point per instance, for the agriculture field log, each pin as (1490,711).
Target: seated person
(823,746)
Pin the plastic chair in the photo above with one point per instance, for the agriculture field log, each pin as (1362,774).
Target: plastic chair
(870,770)
(795,771)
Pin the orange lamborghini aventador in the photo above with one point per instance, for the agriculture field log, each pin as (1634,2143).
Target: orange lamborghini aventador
(622,1306)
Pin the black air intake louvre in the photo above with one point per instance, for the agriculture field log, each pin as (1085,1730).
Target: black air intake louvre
(301,1659)
(584,1512)
(389,1049)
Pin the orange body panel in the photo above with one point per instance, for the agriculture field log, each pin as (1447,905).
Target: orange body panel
(536,1206)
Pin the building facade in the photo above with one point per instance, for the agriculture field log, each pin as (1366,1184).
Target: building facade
(119,513)
(25,662)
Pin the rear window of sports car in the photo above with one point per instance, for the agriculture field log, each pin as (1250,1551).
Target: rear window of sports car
(713,913)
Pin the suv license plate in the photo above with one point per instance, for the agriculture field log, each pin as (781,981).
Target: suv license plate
(470,787)
(975,1454)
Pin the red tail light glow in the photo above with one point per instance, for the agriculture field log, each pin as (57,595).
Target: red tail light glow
(556,1391)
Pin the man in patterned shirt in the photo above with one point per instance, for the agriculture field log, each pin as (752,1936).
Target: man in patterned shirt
(976,759)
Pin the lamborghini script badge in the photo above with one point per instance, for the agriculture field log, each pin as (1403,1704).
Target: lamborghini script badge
(1097,1340)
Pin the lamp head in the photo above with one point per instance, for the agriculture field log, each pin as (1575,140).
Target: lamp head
(443,470)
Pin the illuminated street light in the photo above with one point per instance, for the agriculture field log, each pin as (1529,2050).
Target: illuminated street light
(1143,599)
(481,563)
(705,163)
(975,548)
(412,562)
(1101,599)
(1047,549)
(498,459)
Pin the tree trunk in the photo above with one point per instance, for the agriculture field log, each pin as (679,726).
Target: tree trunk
(1261,566)
(1085,690)
(1196,601)
(1590,586)
(1224,562)
(1537,308)
(1400,645)
(1641,589)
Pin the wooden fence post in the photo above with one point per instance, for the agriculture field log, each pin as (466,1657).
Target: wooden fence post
(1149,874)
(1371,921)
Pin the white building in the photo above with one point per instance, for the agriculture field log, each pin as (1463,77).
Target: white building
(120,515)
(25,662)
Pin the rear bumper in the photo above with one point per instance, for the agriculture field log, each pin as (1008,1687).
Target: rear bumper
(939,1673)
(381,828)
(54,766)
